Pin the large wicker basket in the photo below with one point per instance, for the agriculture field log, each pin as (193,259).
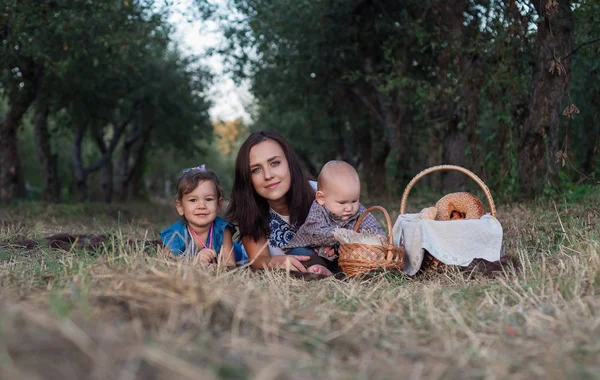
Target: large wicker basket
(430,262)
(358,258)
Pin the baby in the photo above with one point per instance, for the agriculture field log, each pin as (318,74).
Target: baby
(336,206)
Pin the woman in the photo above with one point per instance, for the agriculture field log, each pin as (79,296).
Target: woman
(270,199)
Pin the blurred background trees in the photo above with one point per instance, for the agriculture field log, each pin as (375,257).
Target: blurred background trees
(397,86)
(98,102)
(93,88)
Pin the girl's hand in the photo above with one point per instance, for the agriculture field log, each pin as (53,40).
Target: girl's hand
(281,262)
(206,256)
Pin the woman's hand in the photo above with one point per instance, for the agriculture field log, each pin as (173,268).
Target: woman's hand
(206,256)
(258,253)
(281,262)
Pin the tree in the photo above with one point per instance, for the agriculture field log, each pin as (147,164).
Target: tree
(61,50)
(317,69)
(19,75)
(173,116)
(538,136)
(112,67)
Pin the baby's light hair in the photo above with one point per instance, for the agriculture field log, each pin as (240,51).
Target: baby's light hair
(335,171)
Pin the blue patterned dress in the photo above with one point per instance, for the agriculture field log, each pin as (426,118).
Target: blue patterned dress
(282,232)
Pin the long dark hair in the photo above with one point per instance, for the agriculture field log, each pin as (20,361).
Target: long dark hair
(249,210)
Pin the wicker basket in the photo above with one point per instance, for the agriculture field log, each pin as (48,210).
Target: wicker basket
(430,262)
(358,258)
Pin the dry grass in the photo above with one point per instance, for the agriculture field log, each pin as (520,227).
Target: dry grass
(124,314)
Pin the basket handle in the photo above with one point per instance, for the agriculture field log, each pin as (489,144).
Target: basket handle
(432,169)
(387,219)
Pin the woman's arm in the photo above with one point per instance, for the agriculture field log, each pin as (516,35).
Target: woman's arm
(258,254)
(226,256)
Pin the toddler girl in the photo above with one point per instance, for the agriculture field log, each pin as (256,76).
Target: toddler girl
(201,232)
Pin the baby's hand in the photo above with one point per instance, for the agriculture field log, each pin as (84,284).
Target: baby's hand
(206,256)
(329,251)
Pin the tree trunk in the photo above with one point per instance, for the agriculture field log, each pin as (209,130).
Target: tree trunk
(106,171)
(387,111)
(539,132)
(377,176)
(343,143)
(123,176)
(10,165)
(433,157)
(135,184)
(136,175)
(374,150)
(455,144)
(106,181)
(500,144)
(79,172)
(398,141)
(590,148)
(450,15)
(470,68)
(589,137)
(48,161)
(131,171)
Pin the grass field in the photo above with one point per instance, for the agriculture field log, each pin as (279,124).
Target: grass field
(123,312)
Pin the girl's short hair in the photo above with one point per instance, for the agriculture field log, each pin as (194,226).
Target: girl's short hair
(191,178)
(249,210)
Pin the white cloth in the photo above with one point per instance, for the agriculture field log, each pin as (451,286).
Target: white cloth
(453,242)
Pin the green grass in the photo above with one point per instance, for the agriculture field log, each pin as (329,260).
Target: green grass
(124,312)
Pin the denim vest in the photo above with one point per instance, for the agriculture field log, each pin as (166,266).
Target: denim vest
(177,239)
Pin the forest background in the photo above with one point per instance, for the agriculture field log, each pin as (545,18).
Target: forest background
(99,103)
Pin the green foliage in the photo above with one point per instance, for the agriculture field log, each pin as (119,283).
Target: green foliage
(347,70)
(113,77)
(381,84)
(582,133)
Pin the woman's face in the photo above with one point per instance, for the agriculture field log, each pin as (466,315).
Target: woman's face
(269,171)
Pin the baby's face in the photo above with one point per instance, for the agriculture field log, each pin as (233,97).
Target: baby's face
(341,198)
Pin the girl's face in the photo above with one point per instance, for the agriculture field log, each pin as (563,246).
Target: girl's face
(200,206)
(269,171)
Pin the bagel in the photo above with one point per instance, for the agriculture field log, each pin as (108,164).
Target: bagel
(459,206)
(428,213)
